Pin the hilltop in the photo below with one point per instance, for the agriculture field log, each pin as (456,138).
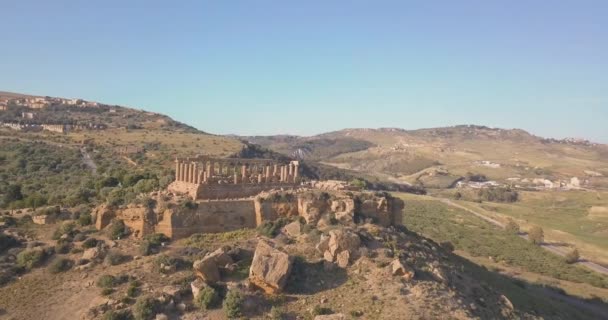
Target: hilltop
(410,156)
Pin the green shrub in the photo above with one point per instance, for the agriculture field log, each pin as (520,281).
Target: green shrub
(207,298)
(271,229)
(536,235)
(572,256)
(320,311)
(157,239)
(114,257)
(106,281)
(30,259)
(60,265)
(63,248)
(166,264)
(7,242)
(80,237)
(107,291)
(145,308)
(133,289)
(89,243)
(146,248)
(124,314)
(512,227)
(276,313)
(233,304)
(65,228)
(85,219)
(118,230)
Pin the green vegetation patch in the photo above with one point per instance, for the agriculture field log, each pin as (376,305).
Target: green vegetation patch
(466,232)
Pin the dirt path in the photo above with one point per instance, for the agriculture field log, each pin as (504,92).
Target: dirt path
(559,250)
(86,157)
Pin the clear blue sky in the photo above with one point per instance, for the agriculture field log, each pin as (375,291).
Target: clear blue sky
(305,67)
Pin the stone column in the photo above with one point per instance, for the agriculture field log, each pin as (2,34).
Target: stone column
(268,174)
(209,169)
(176,170)
(243,173)
(196,173)
(220,169)
(259,178)
(182,171)
(275,172)
(295,172)
(236,177)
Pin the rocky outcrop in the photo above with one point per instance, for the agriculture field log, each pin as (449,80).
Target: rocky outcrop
(208,268)
(103,216)
(383,210)
(399,269)
(344,210)
(341,246)
(270,267)
(312,207)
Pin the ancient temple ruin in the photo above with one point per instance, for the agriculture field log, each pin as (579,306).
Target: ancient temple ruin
(227,178)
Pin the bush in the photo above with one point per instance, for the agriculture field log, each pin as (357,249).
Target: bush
(157,239)
(90,243)
(572,256)
(85,219)
(30,259)
(320,311)
(63,248)
(448,246)
(271,229)
(166,264)
(114,257)
(512,227)
(60,265)
(80,237)
(208,298)
(146,248)
(145,308)
(124,314)
(66,228)
(276,313)
(233,304)
(118,230)
(133,289)
(536,235)
(107,291)
(106,281)
(7,242)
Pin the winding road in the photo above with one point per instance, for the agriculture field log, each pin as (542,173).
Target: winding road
(559,250)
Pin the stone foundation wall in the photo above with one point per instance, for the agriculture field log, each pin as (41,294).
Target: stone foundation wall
(224,191)
(208,217)
(226,215)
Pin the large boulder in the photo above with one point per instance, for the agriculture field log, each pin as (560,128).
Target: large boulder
(399,269)
(341,239)
(270,267)
(208,268)
(293,229)
(93,253)
(342,246)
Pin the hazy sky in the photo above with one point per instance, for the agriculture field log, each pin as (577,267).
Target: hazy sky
(305,67)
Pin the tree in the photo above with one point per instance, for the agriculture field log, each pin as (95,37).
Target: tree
(13,193)
(536,235)
(512,227)
(572,256)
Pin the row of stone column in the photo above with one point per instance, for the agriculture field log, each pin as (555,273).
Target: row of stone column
(192,172)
